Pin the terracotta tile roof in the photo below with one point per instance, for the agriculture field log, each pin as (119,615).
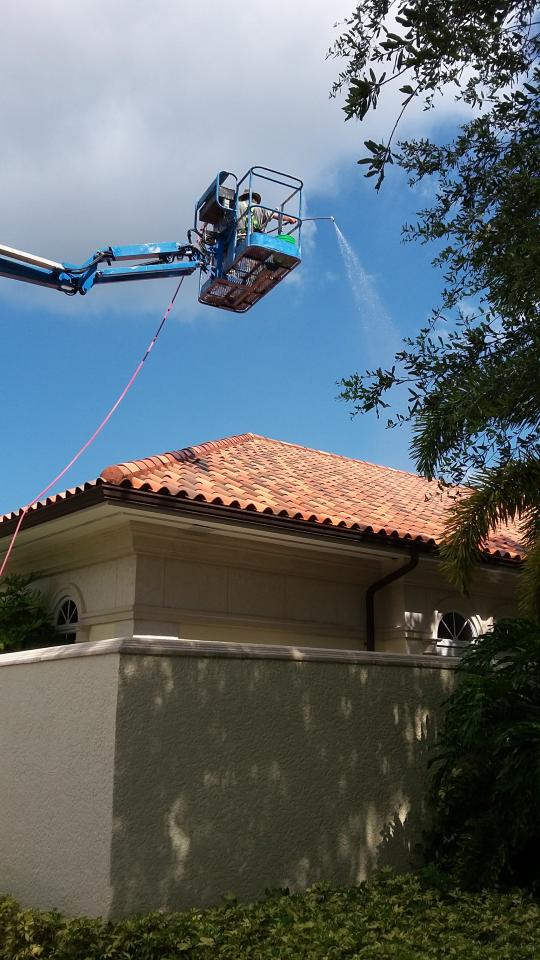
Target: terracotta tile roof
(53,498)
(249,472)
(253,473)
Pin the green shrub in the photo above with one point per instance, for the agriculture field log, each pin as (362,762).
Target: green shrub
(24,617)
(486,786)
(389,918)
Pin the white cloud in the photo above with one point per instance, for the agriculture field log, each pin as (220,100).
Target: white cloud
(116,117)
(114,123)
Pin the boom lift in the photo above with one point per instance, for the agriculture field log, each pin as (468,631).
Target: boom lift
(238,263)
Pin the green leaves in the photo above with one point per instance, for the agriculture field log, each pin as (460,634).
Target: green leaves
(390,918)
(377,161)
(486,779)
(24,616)
(501,495)
(472,372)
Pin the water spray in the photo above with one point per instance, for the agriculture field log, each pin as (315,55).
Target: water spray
(374,319)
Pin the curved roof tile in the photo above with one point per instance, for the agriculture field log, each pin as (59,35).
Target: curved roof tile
(254,473)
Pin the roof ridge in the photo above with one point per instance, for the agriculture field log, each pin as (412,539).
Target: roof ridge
(188,453)
(133,468)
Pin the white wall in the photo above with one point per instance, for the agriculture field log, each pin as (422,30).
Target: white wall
(57,730)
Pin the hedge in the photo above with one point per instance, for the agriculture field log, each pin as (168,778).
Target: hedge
(397,917)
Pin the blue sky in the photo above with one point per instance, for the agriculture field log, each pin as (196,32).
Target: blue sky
(103,159)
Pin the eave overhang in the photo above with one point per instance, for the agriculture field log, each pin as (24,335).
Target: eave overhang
(163,504)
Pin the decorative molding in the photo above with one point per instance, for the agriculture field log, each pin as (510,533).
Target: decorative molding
(68,590)
(239,621)
(145,646)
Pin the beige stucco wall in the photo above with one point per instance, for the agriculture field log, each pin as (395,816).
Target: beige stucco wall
(103,590)
(262,773)
(57,729)
(222,588)
(133,574)
(407,613)
(140,775)
(225,589)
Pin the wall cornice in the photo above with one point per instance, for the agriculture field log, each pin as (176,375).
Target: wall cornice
(146,646)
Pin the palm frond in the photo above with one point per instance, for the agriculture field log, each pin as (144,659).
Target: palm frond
(501,495)
(529,594)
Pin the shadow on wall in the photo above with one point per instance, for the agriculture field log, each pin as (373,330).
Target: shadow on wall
(236,775)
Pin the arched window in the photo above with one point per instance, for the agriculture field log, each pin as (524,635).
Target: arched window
(454,633)
(67,618)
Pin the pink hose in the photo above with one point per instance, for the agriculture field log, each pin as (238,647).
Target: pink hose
(95,434)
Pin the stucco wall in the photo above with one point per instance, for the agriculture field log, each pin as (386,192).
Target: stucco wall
(130,574)
(219,588)
(57,723)
(104,592)
(233,775)
(142,774)
(213,588)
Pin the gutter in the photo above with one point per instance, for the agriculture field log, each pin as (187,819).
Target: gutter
(378,585)
(99,492)
(123,496)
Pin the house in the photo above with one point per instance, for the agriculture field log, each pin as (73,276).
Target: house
(260,702)
(256,540)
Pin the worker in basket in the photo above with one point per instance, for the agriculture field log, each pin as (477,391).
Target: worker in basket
(260,217)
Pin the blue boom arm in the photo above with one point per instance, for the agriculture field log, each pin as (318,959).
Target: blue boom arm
(113,264)
(244,247)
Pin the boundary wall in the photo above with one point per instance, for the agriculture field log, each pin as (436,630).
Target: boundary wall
(149,773)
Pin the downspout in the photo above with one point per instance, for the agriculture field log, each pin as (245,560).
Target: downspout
(378,585)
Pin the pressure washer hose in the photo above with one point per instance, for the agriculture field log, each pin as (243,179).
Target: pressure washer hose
(95,434)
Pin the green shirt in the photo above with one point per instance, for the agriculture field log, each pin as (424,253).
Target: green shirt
(259,219)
